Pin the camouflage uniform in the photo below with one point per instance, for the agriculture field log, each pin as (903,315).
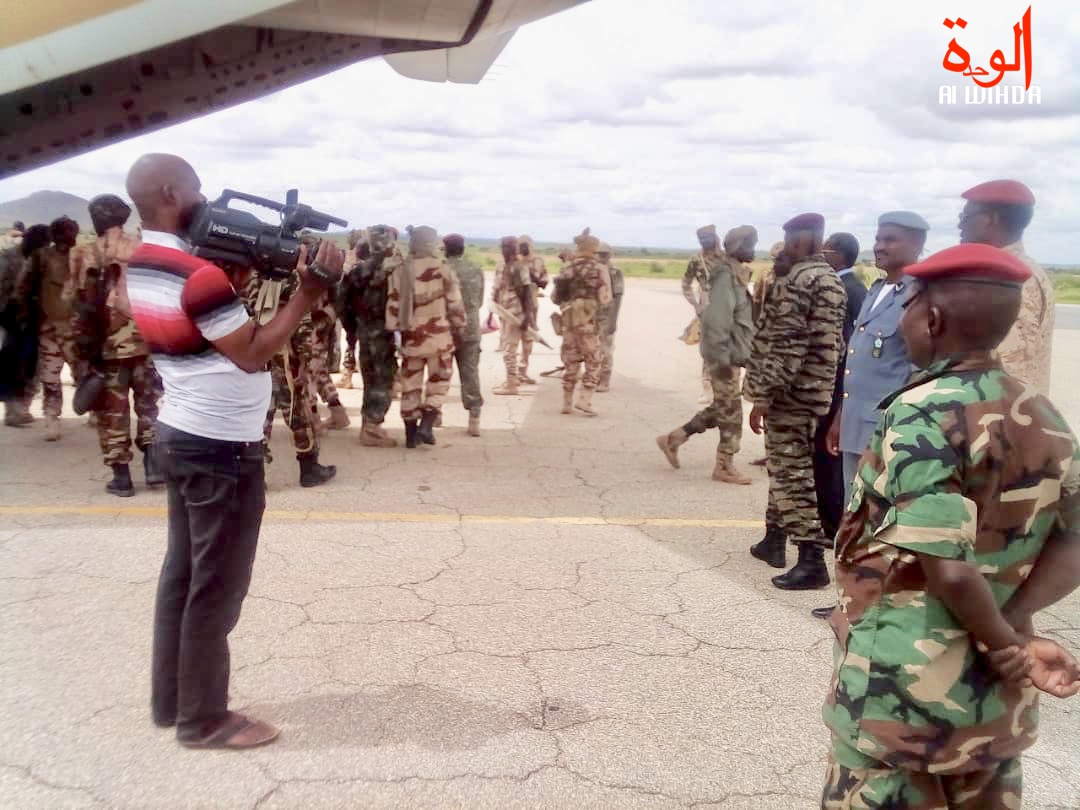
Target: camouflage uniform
(374,342)
(608,322)
(538,277)
(1025,352)
(427,332)
(513,282)
(106,337)
(471,282)
(289,368)
(344,303)
(967,464)
(583,289)
(55,343)
(792,372)
(323,319)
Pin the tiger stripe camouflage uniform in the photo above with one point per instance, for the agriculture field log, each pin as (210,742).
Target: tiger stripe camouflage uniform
(471,282)
(792,371)
(106,337)
(968,464)
(427,326)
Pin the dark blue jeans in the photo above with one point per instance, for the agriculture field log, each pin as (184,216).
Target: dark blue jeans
(216,501)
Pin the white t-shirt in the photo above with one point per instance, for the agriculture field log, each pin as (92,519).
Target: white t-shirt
(882,293)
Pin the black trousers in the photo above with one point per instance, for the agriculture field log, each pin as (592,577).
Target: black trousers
(828,481)
(216,501)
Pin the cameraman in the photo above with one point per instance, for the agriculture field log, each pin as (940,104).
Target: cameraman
(212,359)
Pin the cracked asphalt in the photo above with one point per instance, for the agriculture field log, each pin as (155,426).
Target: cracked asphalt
(546,616)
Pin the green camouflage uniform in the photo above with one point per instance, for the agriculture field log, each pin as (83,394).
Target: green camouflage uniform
(792,372)
(471,280)
(608,322)
(376,353)
(968,464)
(289,368)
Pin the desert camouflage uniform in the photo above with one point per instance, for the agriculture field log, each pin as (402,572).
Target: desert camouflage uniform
(105,336)
(608,322)
(367,290)
(792,372)
(323,320)
(471,282)
(1025,352)
(55,343)
(289,368)
(512,283)
(967,464)
(538,276)
(588,289)
(427,340)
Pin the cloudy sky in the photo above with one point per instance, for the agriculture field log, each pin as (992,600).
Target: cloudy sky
(648,118)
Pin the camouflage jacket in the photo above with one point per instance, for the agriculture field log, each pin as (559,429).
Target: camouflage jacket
(471,282)
(264,298)
(55,287)
(609,315)
(538,272)
(14,306)
(437,312)
(102,325)
(797,349)
(366,291)
(1025,352)
(582,291)
(512,283)
(699,271)
(969,464)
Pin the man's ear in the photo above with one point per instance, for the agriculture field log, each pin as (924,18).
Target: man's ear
(935,321)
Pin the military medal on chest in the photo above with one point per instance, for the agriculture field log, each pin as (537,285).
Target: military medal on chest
(878,345)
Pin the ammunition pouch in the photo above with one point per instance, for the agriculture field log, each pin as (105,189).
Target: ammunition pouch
(580,312)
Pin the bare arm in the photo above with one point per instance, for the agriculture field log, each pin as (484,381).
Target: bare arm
(1055,575)
(967,595)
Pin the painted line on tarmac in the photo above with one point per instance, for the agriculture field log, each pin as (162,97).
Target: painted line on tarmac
(399,517)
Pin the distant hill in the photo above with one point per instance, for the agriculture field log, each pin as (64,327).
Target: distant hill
(43,207)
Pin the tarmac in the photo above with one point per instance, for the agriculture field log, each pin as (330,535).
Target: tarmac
(545,616)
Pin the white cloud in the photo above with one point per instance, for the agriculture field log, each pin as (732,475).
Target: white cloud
(648,119)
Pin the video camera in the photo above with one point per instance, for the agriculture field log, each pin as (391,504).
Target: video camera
(222,234)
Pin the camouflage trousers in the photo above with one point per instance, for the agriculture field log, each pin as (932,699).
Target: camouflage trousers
(415,397)
(137,375)
(349,361)
(468,365)
(55,347)
(319,368)
(998,788)
(607,359)
(378,366)
(581,345)
(512,338)
(725,411)
(789,452)
(288,372)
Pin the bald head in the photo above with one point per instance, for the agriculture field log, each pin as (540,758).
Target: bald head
(166,192)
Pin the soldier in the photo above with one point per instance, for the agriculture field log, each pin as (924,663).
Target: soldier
(107,340)
(323,322)
(367,286)
(467,351)
(582,289)
(18,324)
(726,334)
(790,380)
(764,283)
(358,251)
(55,345)
(964,522)
(13,236)
(424,304)
(697,276)
(608,321)
(538,275)
(514,295)
(996,213)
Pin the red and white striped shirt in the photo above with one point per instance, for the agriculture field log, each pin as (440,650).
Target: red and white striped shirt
(182,304)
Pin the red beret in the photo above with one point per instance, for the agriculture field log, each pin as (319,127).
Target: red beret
(1000,192)
(971,261)
(805,222)
(454,239)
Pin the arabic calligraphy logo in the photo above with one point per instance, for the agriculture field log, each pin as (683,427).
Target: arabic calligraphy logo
(962,62)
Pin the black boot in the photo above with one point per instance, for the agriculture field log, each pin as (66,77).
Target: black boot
(312,473)
(411,426)
(154,476)
(809,573)
(823,612)
(121,485)
(771,548)
(425,432)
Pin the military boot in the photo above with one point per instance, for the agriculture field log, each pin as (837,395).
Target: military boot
(508,388)
(603,386)
(411,426)
(312,473)
(669,445)
(771,548)
(809,573)
(339,418)
(373,435)
(425,432)
(567,400)
(16,414)
(346,380)
(524,378)
(438,420)
(725,471)
(121,485)
(584,402)
(154,476)
(52,428)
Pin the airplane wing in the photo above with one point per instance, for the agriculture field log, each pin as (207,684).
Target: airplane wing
(77,76)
